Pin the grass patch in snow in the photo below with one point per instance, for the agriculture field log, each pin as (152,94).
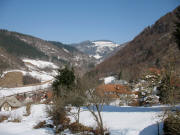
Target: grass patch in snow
(3,118)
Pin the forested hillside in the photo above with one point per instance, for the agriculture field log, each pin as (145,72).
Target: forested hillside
(17,47)
(153,47)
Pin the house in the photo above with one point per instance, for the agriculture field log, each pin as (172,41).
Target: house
(49,95)
(28,100)
(122,82)
(120,92)
(114,90)
(9,103)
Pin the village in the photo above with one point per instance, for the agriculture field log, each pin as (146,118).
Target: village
(119,92)
(90,67)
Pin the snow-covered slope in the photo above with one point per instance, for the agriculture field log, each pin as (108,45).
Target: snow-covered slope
(15,46)
(42,70)
(98,49)
(103,48)
(40,63)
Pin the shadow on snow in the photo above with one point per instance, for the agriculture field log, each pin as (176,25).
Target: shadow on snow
(152,130)
(107,108)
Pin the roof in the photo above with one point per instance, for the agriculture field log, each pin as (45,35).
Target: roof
(121,89)
(12,101)
(155,71)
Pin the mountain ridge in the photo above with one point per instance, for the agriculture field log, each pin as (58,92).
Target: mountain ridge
(151,48)
(99,49)
(20,46)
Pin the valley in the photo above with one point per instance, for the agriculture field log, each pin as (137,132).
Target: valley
(93,87)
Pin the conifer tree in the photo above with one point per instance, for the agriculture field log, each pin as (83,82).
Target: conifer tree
(64,81)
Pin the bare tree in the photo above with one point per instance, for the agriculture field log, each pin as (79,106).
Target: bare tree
(1,73)
(95,102)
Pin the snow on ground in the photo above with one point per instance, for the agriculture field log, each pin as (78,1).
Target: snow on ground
(33,71)
(118,120)
(11,91)
(25,127)
(65,50)
(97,56)
(101,45)
(109,79)
(127,120)
(41,64)
(5,72)
(105,44)
(43,76)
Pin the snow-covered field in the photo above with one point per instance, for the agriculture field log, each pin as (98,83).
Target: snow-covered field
(12,91)
(43,76)
(25,127)
(34,69)
(118,120)
(127,120)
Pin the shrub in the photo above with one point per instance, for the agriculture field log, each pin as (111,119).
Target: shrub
(48,69)
(28,79)
(98,131)
(3,118)
(40,125)
(28,110)
(172,124)
(16,120)
(77,127)
(58,114)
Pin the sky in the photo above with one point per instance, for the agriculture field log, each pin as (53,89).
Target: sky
(73,21)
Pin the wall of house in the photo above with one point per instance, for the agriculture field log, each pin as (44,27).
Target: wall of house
(6,107)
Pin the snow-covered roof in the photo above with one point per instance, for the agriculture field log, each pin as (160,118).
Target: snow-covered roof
(109,79)
(12,101)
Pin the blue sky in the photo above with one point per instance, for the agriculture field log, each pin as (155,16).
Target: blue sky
(72,21)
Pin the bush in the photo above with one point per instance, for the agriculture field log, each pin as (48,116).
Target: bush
(28,79)
(3,118)
(16,120)
(172,124)
(28,110)
(98,131)
(40,125)
(77,127)
(58,114)
(48,69)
